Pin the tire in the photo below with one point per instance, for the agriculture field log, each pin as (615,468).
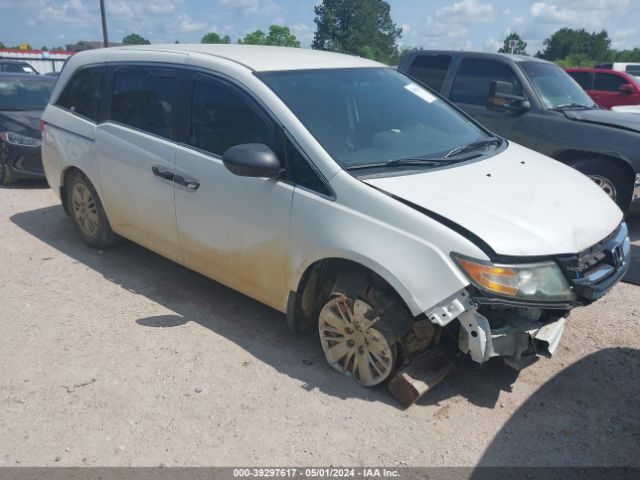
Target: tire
(350,343)
(5,173)
(87,212)
(610,177)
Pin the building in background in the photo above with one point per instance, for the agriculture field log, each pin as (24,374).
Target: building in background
(83,45)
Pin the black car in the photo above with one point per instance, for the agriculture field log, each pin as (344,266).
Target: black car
(537,104)
(22,100)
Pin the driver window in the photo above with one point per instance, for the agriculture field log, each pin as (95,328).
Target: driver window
(223,116)
(474,77)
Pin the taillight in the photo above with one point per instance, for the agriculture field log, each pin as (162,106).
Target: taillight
(42,124)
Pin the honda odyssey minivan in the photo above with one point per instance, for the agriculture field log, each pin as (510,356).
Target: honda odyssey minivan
(335,190)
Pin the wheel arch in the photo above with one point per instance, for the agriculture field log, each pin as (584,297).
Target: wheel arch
(572,156)
(320,273)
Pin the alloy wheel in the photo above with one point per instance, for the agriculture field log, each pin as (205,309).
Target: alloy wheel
(606,185)
(351,345)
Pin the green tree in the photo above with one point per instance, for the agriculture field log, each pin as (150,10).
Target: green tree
(2,45)
(135,39)
(279,36)
(213,37)
(356,27)
(44,49)
(254,38)
(521,49)
(568,42)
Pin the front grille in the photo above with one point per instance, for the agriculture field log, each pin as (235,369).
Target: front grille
(594,271)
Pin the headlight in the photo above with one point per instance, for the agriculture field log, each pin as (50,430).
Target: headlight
(542,281)
(17,139)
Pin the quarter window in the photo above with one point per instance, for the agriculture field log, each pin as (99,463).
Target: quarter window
(83,93)
(222,116)
(144,98)
(303,174)
(608,83)
(474,78)
(431,70)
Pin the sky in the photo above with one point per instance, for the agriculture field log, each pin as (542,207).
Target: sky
(442,24)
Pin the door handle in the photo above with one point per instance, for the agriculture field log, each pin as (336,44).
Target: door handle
(190,184)
(162,173)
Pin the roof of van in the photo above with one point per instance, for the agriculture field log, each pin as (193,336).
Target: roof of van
(261,58)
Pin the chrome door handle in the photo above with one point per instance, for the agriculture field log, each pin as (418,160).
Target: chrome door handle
(162,173)
(190,184)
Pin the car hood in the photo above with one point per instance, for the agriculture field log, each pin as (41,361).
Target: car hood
(628,121)
(519,202)
(25,122)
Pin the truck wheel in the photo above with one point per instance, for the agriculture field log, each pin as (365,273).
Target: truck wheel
(611,178)
(351,345)
(87,212)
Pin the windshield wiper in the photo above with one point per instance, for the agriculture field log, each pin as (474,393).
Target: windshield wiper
(409,161)
(574,105)
(472,146)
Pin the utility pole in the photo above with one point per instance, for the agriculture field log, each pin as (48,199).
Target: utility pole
(104,25)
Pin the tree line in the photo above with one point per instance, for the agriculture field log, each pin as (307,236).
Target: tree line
(365,28)
(574,48)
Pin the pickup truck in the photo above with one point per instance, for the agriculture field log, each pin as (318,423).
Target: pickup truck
(538,105)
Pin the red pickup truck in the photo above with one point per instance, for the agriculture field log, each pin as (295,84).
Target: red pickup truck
(608,88)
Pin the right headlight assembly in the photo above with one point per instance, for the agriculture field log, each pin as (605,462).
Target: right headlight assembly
(541,282)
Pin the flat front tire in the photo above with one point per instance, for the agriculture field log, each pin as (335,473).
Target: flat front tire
(351,344)
(87,213)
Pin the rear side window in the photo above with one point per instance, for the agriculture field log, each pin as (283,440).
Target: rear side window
(83,93)
(223,116)
(474,78)
(633,70)
(144,98)
(431,70)
(583,79)
(607,82)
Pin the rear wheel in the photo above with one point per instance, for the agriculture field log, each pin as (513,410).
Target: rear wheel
(87,213)
(611,178)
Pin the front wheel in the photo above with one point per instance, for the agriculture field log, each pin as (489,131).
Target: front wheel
(5,173)
(611,178)
(351,344)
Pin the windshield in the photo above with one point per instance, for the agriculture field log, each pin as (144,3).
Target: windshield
(16,67)
(25,93)
(372,115)
(555,87)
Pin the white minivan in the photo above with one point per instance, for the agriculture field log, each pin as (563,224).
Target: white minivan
(335,190)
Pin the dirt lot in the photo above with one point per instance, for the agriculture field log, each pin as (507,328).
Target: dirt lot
(123,358)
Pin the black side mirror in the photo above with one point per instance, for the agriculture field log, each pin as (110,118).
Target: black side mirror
(251,160)
(502,99)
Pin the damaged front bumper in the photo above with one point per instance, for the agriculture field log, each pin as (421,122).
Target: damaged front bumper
(521,332)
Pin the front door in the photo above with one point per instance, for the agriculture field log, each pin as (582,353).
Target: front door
(233,229)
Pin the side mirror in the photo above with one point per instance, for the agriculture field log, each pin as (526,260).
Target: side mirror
(502,99)
(251,160)
(626,89)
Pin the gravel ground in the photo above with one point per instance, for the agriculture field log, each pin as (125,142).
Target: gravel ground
(120,357)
